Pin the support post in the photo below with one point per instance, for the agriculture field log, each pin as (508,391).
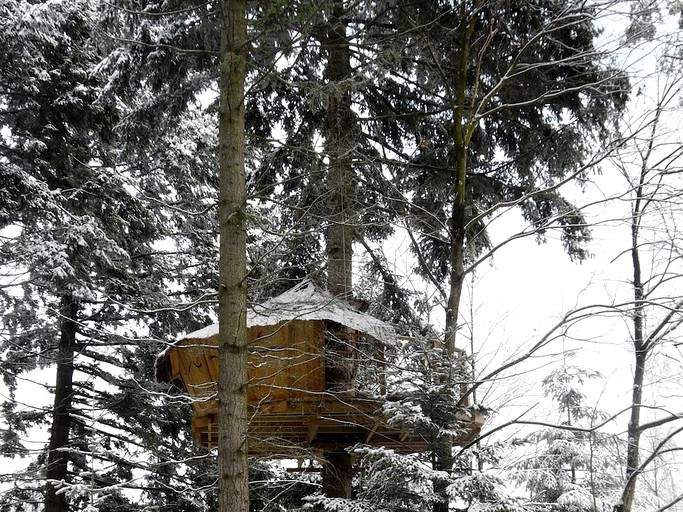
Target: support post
(338,475)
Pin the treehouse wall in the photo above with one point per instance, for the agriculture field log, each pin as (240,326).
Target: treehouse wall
(285,363)
(292,407)
(303,393)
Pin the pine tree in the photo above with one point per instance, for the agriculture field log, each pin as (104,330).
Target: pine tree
(233,476)
(572,467)
(509,94)
(53,155)
(87,288)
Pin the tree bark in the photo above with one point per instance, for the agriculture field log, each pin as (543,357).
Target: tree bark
(443,445)
(232,298)
(339,149)
(57,458)
(337,473)
(641,353)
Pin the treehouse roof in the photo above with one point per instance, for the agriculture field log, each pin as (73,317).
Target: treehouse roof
(308,302)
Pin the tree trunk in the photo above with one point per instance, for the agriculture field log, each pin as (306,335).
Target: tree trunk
(339,149)
(633,432)
(641,353)
(337,475)
(337,472)
(232,298)
(57,459)
(443,449)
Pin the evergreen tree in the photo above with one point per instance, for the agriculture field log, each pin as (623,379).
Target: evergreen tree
(511,94)
(53,156)
(233,468)
(100,245)
(572,467)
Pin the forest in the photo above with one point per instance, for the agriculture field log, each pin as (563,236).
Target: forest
(456,221)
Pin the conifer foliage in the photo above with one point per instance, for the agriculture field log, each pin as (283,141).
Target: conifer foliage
(91,257)
(571,467)
(74,230)
(357,116)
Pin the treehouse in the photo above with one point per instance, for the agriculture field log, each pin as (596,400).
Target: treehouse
(317,378)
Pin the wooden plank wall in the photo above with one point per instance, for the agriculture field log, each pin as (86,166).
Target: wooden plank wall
(285,363)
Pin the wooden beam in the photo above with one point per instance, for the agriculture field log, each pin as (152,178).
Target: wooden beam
(312,431)
(371,432)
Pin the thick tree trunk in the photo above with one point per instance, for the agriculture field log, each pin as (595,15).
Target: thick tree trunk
(233,479)
(339,148)
(337,474)
(57,458)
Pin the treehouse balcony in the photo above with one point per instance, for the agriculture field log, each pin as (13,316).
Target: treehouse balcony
(318,379)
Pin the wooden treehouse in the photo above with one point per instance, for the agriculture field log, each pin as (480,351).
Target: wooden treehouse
(317,378)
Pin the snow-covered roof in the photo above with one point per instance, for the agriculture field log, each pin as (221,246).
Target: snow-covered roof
(308,302)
